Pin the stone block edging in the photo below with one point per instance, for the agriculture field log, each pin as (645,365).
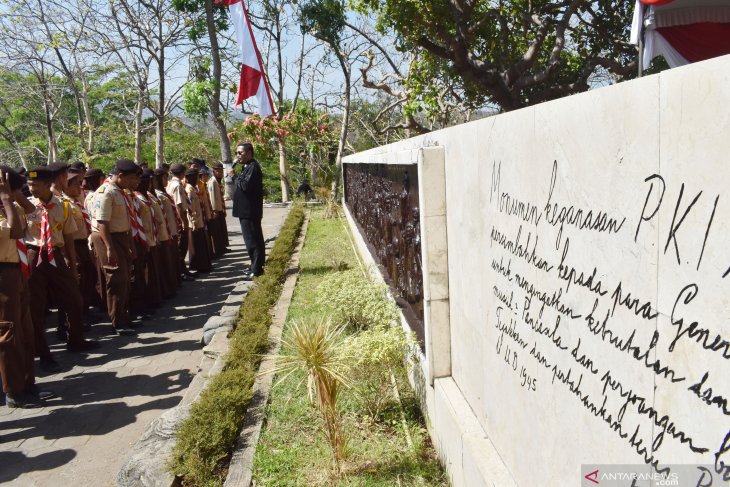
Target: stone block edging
(240,470)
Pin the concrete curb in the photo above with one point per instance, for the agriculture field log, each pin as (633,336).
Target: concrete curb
(240,470)
(146,463)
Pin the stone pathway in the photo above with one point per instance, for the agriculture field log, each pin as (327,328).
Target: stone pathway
(106,399)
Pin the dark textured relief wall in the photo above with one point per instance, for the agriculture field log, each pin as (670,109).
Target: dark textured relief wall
(383,200)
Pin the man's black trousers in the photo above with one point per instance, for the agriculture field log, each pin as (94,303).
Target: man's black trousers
(253,237)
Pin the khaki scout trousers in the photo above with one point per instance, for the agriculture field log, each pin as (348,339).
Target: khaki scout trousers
(59,283)
(16,332)
(116,279)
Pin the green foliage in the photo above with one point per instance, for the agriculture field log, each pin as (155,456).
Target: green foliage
(375,354)
(510,54)
(357,300)
(198,28)
(195,99)
(206,439)
(324,19)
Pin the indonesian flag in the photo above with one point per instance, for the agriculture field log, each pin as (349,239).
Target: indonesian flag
(253,79)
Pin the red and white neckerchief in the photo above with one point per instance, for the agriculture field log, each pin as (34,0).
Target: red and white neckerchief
(46,235)
(157,200)
(22,251)
(85,213)
(148,203)
(134,220)
(178,220)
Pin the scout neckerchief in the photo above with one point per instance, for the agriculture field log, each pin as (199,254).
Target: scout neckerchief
(46,235)
(148,203)
(22,250)
(134,220)
(85,212)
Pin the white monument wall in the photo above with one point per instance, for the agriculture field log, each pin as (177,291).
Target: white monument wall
(588,283)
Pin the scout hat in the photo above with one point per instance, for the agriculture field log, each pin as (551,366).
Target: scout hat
(177,169)
(126,166)
(93,173)
(191,172)
(147,174)
(218,165)
(16,180)
(41,173)
(77,167)
(58,167)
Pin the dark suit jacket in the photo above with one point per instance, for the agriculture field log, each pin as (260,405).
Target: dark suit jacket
(248,197)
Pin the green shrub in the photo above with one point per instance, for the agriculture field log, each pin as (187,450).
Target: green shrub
(375,354)
(357,300)
(206,439)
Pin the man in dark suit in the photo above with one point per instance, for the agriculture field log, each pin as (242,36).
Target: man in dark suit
(248,206)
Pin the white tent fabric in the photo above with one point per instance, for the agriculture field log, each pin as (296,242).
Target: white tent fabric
(678,12)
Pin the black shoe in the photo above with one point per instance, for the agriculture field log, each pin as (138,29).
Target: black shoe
(136,324)
(82,346)
(125,331)
(47,364)
(22,402)
(61,334)
(41,395)
(187,278)
(189,273)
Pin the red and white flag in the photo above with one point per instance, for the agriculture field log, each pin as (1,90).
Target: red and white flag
(253,79)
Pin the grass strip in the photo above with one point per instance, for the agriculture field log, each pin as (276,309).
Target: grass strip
(206,439)
(292,450)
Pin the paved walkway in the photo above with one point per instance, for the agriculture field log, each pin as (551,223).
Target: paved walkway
(106,399)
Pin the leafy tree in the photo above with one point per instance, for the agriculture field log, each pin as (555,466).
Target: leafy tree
(510,53)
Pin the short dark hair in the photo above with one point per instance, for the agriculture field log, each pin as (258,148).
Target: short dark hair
(246,145)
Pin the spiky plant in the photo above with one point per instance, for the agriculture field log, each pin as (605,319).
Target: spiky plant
(315,347)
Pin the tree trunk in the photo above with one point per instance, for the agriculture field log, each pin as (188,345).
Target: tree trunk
(345,126)
(50,132)
(88,116)
(284,173)
(160,125)
(138,135)
(215,99)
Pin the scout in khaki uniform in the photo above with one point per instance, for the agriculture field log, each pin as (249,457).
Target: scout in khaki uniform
(176,190)
(16,332)
(51,256)
(199,256)
(167,248)
(174,225)
(92,181)
(111,240)
(218,177)
(86,269)
(218,218)
(199,165)
(149,274)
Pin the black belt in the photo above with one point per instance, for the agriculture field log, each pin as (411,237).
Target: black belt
(38,249)
(9,265)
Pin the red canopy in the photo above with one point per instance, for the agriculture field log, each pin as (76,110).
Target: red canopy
(683,31)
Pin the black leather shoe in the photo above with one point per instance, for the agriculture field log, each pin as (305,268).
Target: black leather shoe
(82,346)
(47,364)
(125,331)
(41,395)
(22,402)
(187,278)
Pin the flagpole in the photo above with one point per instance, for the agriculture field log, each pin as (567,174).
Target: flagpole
(641,39)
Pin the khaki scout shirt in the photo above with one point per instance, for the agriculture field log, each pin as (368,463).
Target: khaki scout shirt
(147,217)
(89,203)
(158,214)
(170,212)
(214,189)
(82,231)
(8,248)
(205,199)
(177,191)
(195,211)
(60,219)
(110,206)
